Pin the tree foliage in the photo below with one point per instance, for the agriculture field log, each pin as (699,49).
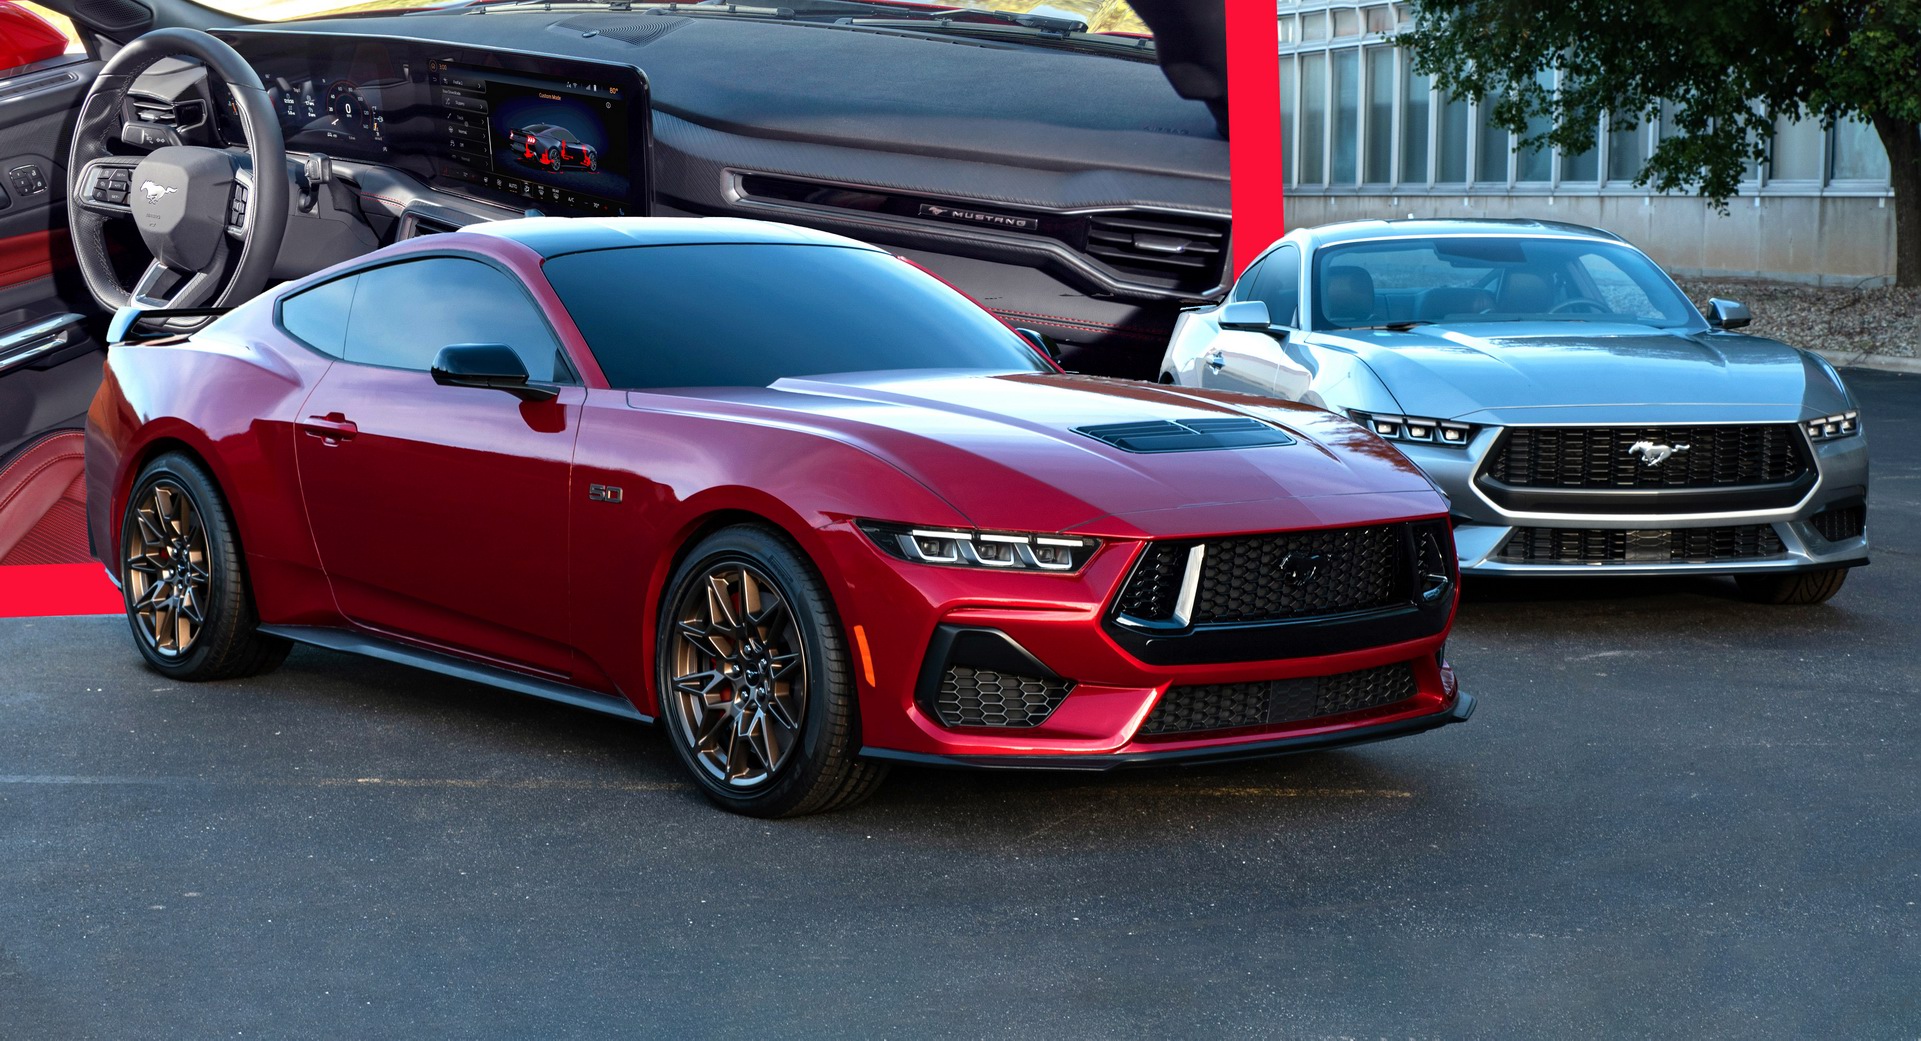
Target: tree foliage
(1727,70)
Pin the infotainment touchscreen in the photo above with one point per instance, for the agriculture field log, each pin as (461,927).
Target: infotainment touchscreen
(565,136)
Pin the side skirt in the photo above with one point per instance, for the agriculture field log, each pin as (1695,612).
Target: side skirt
(459,668)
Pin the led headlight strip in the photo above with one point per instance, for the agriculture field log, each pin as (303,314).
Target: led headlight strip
(1416,429)
(962,547)
(1826,428)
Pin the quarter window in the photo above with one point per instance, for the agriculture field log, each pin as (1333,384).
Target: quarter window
(318,316)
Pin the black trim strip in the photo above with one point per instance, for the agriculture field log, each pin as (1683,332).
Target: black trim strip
(1462,708)
(459,668)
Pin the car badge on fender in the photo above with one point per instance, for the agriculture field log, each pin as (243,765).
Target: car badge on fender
(1655,454)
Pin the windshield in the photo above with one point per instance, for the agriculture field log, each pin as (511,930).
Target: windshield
(1491,278)
(748,314)
(1101,16)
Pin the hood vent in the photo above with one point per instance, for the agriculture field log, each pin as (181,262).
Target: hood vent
(1188,435)
(1187,252)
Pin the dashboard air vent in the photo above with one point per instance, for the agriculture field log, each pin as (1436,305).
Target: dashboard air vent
(184,115)
(1186,252)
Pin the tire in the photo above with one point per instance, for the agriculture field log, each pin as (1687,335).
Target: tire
(726,700)
(180,557)
(553,159)
(593,163)
(1807,587)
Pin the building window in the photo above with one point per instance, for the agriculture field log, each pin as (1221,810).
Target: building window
(1414,127)
(1451,142)
(1858,155)
(1288,131)
(1347,22)
(1796,152)
(1314,25)
(1490,157)
(1380,19)
(1379,167)
(1347,116)
(1313,134)
(1627,150)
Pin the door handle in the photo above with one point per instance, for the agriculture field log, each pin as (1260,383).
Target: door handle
(1216,358)
(332,428)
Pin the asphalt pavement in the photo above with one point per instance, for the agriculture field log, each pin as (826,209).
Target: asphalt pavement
(1675,814)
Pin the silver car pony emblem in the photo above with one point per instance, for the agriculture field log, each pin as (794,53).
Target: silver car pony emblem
(155,192)
(1654,454)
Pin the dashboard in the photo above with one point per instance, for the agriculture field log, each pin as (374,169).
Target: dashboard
(1071,193)
(566,136)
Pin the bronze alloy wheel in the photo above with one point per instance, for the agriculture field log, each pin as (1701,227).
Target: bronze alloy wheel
(167,573)
(738,674)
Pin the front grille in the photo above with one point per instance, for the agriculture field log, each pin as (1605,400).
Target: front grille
(1294,574)
(971,697)
(1642,546)
(1617,458)
(1226,706)
(1841,522)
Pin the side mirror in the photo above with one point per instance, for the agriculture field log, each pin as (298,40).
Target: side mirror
(1248,315)
(1042,343)
(489,366)
(1728,314)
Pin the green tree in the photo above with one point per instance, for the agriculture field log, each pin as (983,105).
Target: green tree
(1727,70)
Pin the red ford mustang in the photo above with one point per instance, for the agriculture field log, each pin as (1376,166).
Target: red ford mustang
(806,505)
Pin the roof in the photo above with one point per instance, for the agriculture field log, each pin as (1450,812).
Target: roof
(1347,231)
(554,236)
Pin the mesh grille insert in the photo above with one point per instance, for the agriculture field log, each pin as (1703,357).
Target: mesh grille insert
(1642,546)
(971,697)
(1225,706)
(1299,573)
(1841,522)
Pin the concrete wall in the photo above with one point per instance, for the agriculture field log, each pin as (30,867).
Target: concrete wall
(1830,240)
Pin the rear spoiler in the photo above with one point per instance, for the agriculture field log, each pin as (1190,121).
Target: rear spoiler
(128,319)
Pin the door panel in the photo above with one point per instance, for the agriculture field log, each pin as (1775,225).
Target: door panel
(440,513)
(37,275)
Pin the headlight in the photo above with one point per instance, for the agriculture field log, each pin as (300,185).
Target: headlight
(1827,428)
(1417,429)
(965,547)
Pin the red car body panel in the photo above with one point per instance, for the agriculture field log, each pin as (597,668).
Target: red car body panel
(457,519)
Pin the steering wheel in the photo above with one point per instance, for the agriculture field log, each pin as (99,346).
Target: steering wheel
(194,207)
(1581,302)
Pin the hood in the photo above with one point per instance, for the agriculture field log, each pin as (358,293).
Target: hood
(1007,452)
(1486,372)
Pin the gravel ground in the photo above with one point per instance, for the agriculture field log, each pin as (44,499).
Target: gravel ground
(1885,321)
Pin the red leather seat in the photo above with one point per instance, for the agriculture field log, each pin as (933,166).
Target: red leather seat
(43,504)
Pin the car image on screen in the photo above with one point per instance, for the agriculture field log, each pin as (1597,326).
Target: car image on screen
(553,147)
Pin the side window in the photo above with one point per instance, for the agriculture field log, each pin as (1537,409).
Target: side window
(404,313)
(1281,286)
(318,316)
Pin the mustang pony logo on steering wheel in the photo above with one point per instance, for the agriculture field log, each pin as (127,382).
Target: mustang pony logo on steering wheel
(155,192)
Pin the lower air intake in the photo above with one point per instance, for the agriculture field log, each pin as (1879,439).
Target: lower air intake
(971,697)
(1226,706)
(1640,546)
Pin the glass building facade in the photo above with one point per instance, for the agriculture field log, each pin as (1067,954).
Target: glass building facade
(1365,135)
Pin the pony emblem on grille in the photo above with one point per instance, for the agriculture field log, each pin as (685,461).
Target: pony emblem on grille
(1653,454)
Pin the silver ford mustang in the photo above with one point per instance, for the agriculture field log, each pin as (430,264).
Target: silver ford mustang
(1581,414)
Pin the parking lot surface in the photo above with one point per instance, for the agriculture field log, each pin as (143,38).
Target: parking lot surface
(1674,814)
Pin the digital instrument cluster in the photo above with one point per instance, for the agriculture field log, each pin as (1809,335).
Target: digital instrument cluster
(567,136)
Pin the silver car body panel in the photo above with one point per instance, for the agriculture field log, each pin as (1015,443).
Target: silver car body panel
(1507,375)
